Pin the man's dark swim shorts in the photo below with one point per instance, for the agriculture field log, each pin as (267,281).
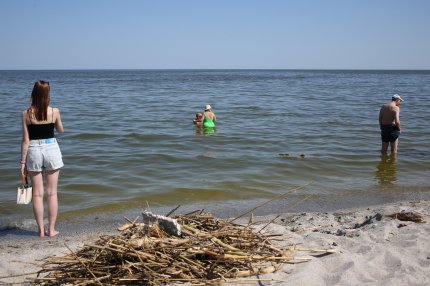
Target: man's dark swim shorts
(389,133)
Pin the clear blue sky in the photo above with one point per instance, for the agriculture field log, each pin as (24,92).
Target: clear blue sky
(238,34)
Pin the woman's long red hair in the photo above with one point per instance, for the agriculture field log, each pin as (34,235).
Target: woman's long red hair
(40,100)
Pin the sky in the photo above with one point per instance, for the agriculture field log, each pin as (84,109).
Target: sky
(214,34)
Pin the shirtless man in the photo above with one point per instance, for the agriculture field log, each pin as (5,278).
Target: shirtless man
(389,122)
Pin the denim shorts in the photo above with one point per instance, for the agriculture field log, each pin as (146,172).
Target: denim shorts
(44,154)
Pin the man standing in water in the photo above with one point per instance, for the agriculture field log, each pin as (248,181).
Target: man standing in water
(389,122)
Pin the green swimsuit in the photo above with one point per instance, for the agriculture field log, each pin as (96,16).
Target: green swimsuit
(208,123)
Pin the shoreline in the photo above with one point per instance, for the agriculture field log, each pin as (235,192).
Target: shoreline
(297,202)
(372,248)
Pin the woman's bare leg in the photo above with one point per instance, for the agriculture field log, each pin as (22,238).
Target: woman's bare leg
(37,184)
(51,178)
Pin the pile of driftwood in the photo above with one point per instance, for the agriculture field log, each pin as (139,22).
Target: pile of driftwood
(199,250)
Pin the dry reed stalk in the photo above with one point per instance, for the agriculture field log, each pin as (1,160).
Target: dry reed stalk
(209,250)
(271,200)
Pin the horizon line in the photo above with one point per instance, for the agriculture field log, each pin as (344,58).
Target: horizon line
(207,69)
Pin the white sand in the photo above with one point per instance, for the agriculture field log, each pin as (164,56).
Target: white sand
(383,251)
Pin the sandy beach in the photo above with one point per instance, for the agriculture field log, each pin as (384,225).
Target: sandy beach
(372,248)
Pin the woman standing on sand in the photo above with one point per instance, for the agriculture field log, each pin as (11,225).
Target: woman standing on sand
(41,155)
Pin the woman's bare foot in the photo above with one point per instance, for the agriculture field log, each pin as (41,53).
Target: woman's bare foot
(52,233)
(42,233)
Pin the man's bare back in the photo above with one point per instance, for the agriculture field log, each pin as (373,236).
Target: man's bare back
(388,114)
(389,123)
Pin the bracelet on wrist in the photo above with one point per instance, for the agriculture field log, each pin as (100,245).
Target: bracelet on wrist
(23,162)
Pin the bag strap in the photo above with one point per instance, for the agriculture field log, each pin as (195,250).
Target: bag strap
(24,180)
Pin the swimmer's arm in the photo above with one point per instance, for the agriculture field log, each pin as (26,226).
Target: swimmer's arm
(397,118)
(197,122)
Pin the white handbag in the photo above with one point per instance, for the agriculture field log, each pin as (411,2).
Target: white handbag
(24,193)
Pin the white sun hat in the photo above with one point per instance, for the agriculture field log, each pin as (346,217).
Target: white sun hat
(396,96)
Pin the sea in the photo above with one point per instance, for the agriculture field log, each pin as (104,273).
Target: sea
(130,143)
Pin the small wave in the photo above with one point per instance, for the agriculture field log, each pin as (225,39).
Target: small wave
(87,136)
(91,188)
(147,137)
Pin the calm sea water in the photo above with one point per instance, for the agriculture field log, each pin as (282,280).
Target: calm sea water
(129,138)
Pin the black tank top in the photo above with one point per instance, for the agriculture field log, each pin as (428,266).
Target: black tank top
(41,131)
